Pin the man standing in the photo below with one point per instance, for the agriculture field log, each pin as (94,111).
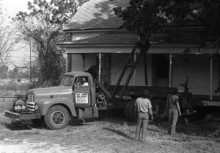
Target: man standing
(173,109)
(144,109)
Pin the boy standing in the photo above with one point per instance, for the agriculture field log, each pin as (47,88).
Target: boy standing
(144,109)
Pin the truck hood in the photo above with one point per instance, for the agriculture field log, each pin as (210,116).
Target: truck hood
(51,92)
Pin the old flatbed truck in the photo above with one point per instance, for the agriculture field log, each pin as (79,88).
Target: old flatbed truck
(55,105)
(79,96)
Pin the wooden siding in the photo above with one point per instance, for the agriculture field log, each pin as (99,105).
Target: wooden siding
(198,71)
(138,78)
(90,59)
(77,62)
(118,62)
(140,74)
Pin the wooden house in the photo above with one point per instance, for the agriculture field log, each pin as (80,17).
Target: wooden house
(94,37)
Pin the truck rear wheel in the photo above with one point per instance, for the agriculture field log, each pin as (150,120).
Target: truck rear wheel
(57,117)
(130,111)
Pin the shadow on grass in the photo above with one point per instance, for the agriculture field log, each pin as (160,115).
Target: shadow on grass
(82,122)
(19,125)
(158,131)
(119,133)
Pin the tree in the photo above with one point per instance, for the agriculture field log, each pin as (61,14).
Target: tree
(13,73)
(3,71)
(208,13)
(146,17)
(8,39)
(43,26)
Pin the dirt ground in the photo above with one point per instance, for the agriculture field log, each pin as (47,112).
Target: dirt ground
(108,135)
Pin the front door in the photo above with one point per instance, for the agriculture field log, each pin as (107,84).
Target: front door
(81,92)
(160,70)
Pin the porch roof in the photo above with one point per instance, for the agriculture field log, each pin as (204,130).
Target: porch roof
(156,48)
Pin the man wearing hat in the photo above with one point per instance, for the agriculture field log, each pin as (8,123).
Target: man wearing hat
(144,109)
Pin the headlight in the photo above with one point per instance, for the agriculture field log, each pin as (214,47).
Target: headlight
(19,106)
(23,106)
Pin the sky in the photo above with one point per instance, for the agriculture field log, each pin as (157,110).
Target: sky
(22,51)
(12,7)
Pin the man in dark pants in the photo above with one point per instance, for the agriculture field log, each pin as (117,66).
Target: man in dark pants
(173,109)
(144,109)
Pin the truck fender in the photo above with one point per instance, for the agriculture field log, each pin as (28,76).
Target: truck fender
(45,105)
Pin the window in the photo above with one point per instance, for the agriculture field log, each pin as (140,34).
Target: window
(81,81)
(67,80)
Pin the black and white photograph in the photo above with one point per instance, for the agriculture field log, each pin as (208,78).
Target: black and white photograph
(109,76)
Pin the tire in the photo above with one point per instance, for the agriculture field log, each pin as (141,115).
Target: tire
(57,117)
(130,111)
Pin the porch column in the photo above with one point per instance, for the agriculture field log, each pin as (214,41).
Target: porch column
(211,74)
(135,57)
(69,63)
(145,68)
(66,66)
(84,62)
(100,67)
(170,69)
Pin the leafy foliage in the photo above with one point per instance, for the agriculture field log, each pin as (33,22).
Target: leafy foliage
(149,16)
(43,26)
(8,39)
(3,71)
(208,14)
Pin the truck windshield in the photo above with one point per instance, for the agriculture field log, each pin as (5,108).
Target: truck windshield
(67,80)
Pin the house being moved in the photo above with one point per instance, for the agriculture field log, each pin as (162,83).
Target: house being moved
(94,37)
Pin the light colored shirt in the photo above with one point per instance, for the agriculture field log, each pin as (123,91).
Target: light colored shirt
(143,104)
(85,84)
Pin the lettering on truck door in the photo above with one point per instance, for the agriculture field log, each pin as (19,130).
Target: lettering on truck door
(81,92)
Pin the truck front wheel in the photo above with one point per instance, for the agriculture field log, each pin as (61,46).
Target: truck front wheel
(57,117)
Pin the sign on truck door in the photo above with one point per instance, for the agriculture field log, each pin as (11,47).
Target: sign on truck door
(81,92)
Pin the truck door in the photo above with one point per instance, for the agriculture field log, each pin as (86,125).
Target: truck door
(81,92)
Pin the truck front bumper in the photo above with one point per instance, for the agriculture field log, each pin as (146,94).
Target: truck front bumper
(22,116)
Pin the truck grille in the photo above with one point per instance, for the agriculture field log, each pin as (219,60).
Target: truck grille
(30,98)
(31,106)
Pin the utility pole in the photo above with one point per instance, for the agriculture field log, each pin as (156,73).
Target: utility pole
(30,59)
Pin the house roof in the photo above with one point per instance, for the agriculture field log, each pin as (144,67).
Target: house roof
(97,14)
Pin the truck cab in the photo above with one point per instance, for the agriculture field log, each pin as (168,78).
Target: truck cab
(74,97)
